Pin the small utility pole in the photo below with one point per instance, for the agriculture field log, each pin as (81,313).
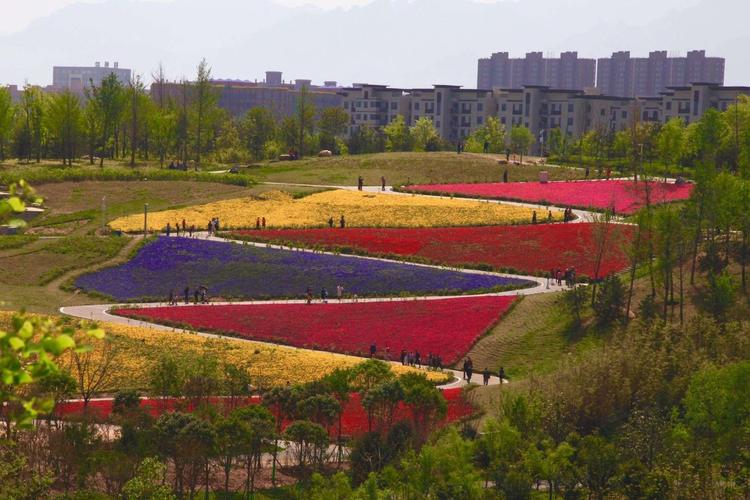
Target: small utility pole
(145,221)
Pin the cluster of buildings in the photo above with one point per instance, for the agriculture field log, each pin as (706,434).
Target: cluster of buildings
(568,93)
(619,75)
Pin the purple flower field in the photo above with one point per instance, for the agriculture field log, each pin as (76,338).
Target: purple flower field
(247,272)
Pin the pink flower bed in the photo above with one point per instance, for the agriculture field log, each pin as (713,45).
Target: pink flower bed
(626,196)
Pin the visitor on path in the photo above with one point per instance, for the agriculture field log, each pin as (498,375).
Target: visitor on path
(210,227)
(263,222)
(469,368)
(501,375)
(203,294)
(486,147)
(403,356)
(486,376)
(587,172)
(169,228)
(257,223)
(373,349)
(360,183)
(177,229)
(507,154)
(171,297)
(330,222)
(417,361)
(184,226)
(340,292)
(324,295)
(309,295)
(192,230)
(382,183)
(505,176)
(533,217)
(549,215)
(458,147)
(187,294)
(342,222)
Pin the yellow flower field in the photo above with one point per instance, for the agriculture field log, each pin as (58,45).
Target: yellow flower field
(360,209)
(136,349)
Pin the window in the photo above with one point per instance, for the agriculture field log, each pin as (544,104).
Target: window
(346,104)
(503,107)
(480,120)
(602,111)
(669,105)
(570,121)
(416,105)
(437,124)
(394,105)
(570,107)
(480,106)
(624,114)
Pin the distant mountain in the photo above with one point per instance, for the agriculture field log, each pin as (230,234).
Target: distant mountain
(397,42)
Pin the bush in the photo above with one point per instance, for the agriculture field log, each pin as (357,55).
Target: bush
(610,301)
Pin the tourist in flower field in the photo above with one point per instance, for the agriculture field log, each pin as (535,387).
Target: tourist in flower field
(416,359)
(191,230)
(196,295)
(403,356)
(382,183)
(330,222)
(533,217)
(360,183)
(172,302)
(339,291)
(324,295)
(501,375)
(373,349)
(257,223)
(184,226)
(342,222)
(486,376)
(169,228)
(549,215)
(263,222)
(309,295)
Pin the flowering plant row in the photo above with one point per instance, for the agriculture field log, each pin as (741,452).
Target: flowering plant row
(443,327)
(245,271)
(525,249)
(354,418)
(625,196)
(359,209)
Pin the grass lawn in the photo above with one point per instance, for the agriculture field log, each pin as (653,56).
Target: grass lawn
(400,168)
(532,339)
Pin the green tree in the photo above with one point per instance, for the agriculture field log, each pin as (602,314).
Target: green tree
(671,142)
(423,133)
(333,123)
(310,442)
(204,104)
(598,461)
(258,128)
(719,296)
(107,104)
(163,127)
(521,140)
(397,136)
(305,116)
(32,123)
(148,482)
(7,112)
(65,123)
(137,102)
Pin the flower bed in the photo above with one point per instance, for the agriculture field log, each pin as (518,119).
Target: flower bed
(360,209)
(444,327)
(526,249)
(625,196)
(244,271)
(354,418)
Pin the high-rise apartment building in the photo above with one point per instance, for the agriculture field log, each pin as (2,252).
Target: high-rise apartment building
(624,76)
(77,78)
(566,72)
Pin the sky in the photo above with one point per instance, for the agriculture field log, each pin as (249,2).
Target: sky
(402,43)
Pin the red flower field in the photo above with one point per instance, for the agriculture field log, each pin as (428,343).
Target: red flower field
(530,249)
(445,327)
(354,419)
(624,195)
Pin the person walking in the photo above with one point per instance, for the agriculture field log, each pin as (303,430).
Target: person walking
(501,375)
(196,295)
(342,222)
(169,228)
(486,376)
(171,297)
(324,295)
(184,226)
(486,147)
(309,295)
(339,292)
(257,223)
(360,183)
(382,183)
(373,349)
(533,217)
(330,222)
(263,222)
(469,369)
(191,230)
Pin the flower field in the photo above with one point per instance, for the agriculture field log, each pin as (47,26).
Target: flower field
(354,418)
(359,209)
(530,249)
(626,197)
(445,327)
(244,271)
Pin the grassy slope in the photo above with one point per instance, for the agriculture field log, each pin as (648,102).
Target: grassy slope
(400,168)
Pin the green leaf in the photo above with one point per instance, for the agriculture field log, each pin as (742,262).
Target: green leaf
(96,333)
(65,342)
(26,331)
(16,204)
(16,343)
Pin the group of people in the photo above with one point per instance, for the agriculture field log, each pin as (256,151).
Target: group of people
(558,276)
(433,361)
(260,223)
(178,166)
(568,215)
(324,294)
(213,226)
(180,229)
(331,223)
(534,217)
(468,371)
(200,295)
(361,183)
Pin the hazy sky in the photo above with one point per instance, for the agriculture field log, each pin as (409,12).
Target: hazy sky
(17,14)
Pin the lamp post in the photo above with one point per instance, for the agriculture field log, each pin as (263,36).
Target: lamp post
(145,220)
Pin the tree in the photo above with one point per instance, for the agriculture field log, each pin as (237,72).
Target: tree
(492,133)
(305,115)
(7,112)
(397,136)
(521,140)
(427,403)
(148,482)
(163,127)
(65,123)
(136,110)
(719,296)
(31,118)
(310,441)
(671,142)
(610,301)
(598,459)
(108,103)
(92,369)
(381,402)
(423,133)
(333,123)
(257,128)
(204,107)
(259,428)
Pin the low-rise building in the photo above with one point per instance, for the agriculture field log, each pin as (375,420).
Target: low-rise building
(78,78)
